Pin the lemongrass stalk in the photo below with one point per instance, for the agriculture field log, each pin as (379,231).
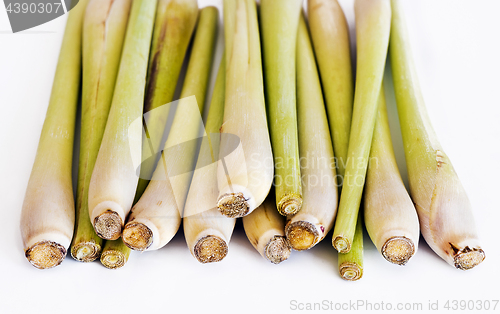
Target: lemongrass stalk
(103,34)
(174,25)
(306,228)
(114,179)
(373,23)
(279,21)
(206,230)
(156,217)
(48,212)
(330,36)
(390,216)
(264,228)
(444,210)
(244,174)
(115,254)
(351,264)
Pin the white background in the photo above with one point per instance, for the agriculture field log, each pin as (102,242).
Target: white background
(457,53)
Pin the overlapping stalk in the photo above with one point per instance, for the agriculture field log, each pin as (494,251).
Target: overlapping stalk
(373,22)
(48,212)
(114,179)
(264,228)
(306,228)
(156,217)
(443,208)
(351,263)
(104,29)
(206,230)
(279,22)
(244,174)
(390,216)
(174,25)
(330,36)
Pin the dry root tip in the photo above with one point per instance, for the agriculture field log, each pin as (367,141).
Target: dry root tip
(108,225)
(278,250)
(210,249)
(290,204)
(45,254)
(350,271)
(137,236)
(113,259)
(341,244)
(398,250)
(468,258)
(233,205)
(301,235)
(85,251)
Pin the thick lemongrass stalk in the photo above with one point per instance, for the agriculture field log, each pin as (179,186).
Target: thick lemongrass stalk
(444,210)
(279,22)
(373,24)
(351,264)
(174,25)
(390,216)
(306,228)
(244,174)
(156,217)
(114,179)
(206,230)
(48,212)
(103,34)
(330,36)
(114,254)
(264,228)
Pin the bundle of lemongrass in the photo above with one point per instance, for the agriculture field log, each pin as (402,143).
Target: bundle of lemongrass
(321,137)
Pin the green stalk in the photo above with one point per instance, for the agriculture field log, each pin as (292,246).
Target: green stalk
(390,216)
(351,264)
(156,217)
(245,173)
(115,254)
(174,25)
(279,23)
(48,212)
(103,34)
(114,179)
(330,35)
(444,210)
(306,228)
(373,22)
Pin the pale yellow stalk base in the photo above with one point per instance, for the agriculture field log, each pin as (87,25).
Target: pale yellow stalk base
(277,250)
(45,254)
(398,250)
(210,249)
(301,235)
(86,251)
(137,236)
(113,259)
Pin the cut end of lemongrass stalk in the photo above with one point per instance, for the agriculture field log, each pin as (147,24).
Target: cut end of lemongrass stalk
(290,204)
(137,236)
(278,249)
(398,250)
(210,249)
(301,235)
(113,259)
(468,258)
(341,244)
(45,254)
(233,205)
(86,251)
(350,271)
(108,225)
